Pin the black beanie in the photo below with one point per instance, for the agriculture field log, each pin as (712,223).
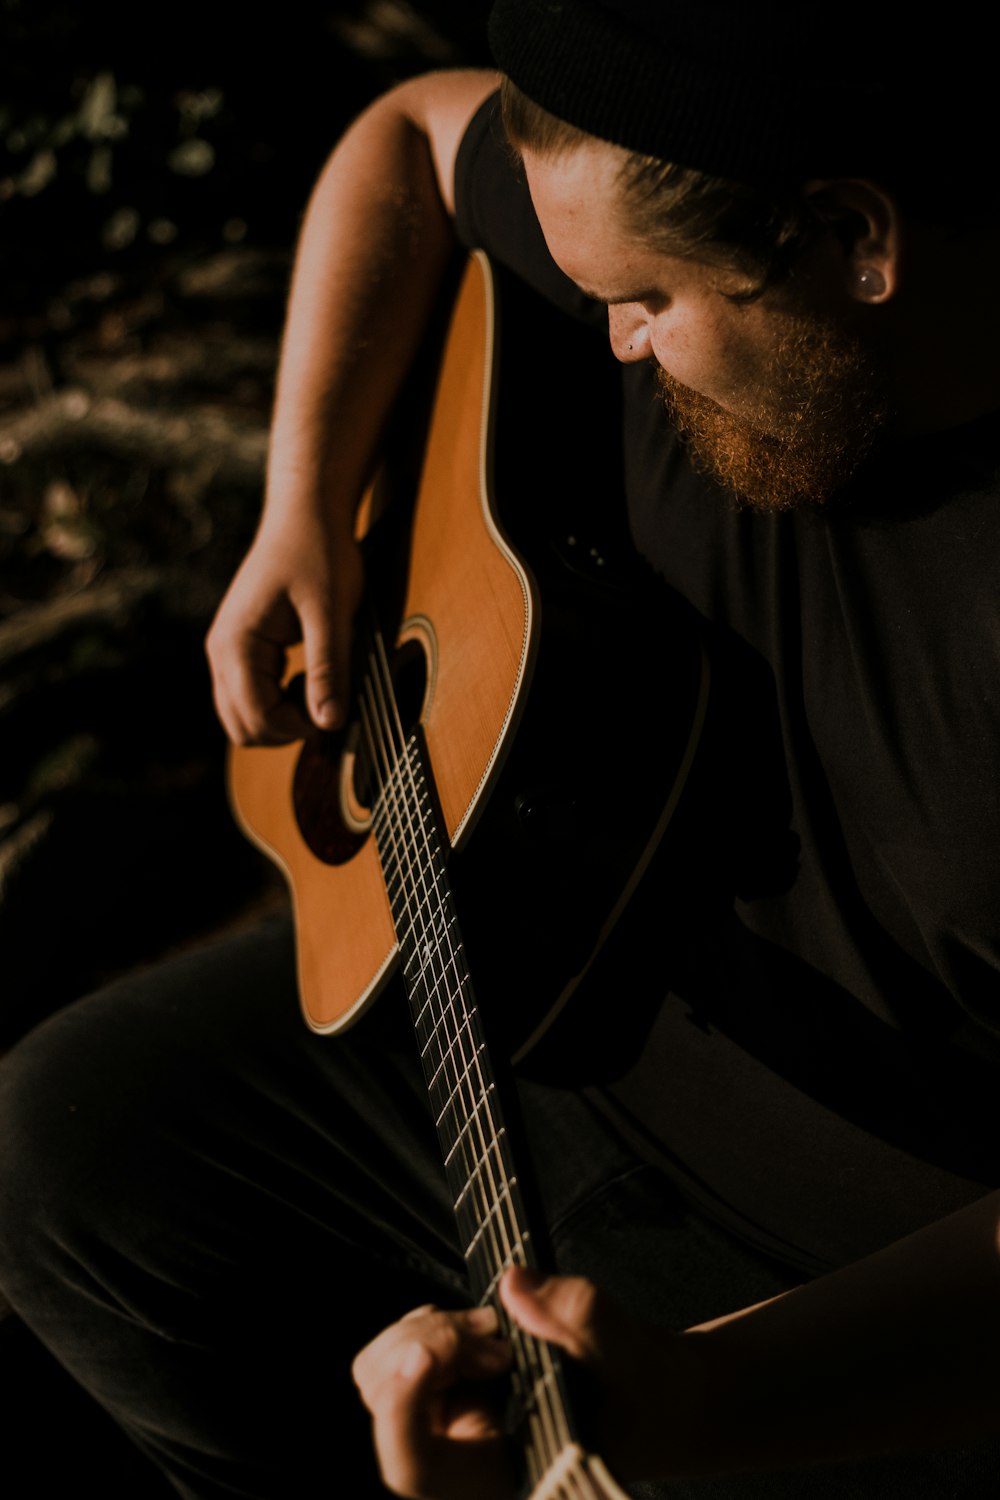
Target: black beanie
(760,91)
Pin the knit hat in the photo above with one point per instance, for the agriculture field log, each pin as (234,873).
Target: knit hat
(760,91)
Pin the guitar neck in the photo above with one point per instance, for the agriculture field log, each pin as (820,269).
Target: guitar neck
(462,1087)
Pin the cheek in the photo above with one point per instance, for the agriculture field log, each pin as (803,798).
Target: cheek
(710,353)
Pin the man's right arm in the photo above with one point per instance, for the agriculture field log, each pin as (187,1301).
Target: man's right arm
(376,239)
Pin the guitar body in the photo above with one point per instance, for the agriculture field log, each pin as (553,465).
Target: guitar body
(468,606)
(558,689)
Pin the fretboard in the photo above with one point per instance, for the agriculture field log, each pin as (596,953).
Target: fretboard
(462,1088)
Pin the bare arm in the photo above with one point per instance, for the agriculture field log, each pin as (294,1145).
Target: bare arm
(376,238)
(888,1355)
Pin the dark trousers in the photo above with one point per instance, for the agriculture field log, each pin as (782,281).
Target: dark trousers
(205,1210)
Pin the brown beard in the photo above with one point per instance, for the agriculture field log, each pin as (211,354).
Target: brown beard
(823,413)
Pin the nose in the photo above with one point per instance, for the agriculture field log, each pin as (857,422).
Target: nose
(628,330)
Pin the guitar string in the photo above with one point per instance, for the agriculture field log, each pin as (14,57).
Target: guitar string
(432,983)
(577,1484)
(553,1432)
(472,1174)
(539,1438)
(383,687)
(550,1431)
(577,1481)
(532,1353)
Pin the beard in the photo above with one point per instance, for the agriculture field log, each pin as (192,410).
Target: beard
(823,411)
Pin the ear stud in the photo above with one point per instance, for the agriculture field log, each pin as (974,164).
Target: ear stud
(870,283)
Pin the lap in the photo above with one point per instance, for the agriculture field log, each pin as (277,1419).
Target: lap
(203,1199)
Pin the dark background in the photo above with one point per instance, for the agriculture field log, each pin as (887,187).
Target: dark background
(154,165)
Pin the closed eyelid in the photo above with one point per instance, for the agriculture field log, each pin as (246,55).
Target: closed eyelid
(625,299)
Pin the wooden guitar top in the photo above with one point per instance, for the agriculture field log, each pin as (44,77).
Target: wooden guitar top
(469,606)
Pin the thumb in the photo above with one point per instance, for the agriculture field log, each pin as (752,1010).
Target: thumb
(564,1310)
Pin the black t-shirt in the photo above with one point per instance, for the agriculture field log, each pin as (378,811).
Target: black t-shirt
(822,1076)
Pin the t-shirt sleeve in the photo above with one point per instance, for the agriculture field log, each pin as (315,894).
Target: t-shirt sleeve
(494,213)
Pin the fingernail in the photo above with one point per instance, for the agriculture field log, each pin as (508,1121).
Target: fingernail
(327,715)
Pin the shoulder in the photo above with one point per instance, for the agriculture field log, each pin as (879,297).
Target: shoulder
(441,105)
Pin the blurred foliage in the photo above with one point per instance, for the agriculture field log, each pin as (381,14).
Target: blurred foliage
(127,129)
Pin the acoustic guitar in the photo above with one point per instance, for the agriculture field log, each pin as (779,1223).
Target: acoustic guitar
(524,723)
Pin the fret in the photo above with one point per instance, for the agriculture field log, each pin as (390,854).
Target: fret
(450,971)
(388,817)
(480,1121)
(450,1100)
(474,1170)
(449,990)
(501,1201)
(429,940)
(463,1027)
(485,1237)
(480,1162)
(469,1124)
(424,917)
(510,1259)
(407,768)
(490,1166)
(428,917)
(534,1385)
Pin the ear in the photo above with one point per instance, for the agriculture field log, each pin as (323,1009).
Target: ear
(865,220)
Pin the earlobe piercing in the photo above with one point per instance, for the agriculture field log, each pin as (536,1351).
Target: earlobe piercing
(870,283)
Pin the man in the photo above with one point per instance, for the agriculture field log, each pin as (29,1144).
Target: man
(809,279)
(803,360)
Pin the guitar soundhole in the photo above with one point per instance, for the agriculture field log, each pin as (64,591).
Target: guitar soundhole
(335,783)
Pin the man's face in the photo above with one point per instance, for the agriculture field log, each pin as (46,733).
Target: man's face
(776,396)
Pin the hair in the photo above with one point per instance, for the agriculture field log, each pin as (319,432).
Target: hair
(758,232)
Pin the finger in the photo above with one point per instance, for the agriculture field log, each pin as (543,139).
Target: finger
(327,649)
(454,1340)
(253,693)
(422,1452)
(247,669)
(420,1312)
(564,1310)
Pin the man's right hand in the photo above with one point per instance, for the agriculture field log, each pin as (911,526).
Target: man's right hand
(289,588)
(376,240)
